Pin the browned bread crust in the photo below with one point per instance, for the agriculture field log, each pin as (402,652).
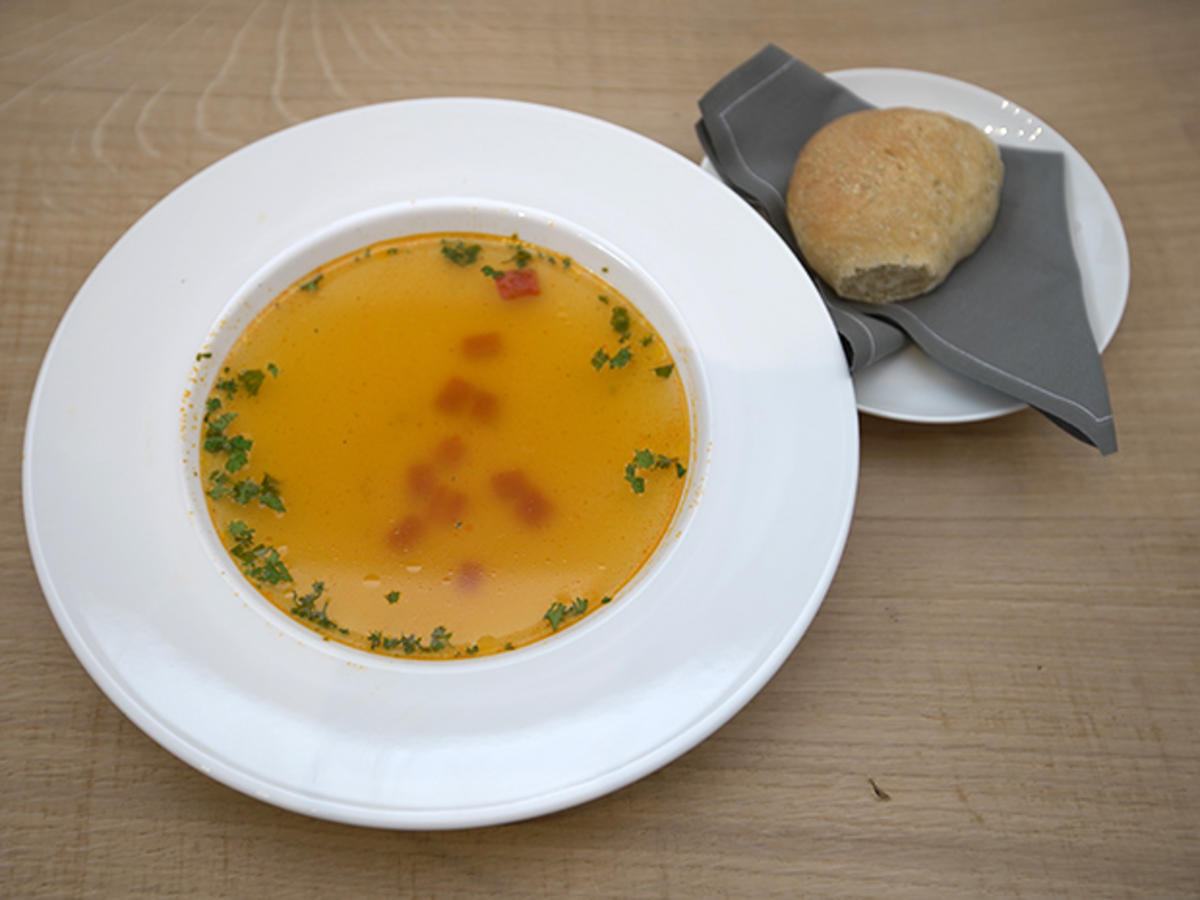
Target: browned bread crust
(885,202)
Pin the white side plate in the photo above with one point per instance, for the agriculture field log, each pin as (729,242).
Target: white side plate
(913,388)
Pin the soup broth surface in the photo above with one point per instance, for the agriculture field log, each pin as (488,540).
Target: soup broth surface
(445,445)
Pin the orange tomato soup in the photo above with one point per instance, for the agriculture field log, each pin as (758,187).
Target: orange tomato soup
(446,445)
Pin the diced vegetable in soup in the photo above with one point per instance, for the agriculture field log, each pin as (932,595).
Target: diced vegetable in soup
(445,446)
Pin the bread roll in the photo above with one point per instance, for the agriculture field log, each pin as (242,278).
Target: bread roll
(885,202)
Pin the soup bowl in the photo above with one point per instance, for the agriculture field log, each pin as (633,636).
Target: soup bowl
(142,592)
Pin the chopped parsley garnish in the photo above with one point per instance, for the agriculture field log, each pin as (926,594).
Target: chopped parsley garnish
(460,253)
(306,608)
(228,386)
(620,320)
(215,440)
(664,371)
(267,490)
(409,644)
(273,369)
(220,485)
(393,597)
(606,600)
(200,356)
(555,614)
(623,356)
(637,482)
(472,650)
(617,361)
(311,286)
(258,561)
(559,611)
(521,257)
(211,405)
(392,251)
(270,567)
(645,460)
(439,639)
(492,273)
(251,380)
(377,640)
(648,340)
(245,491)
(239,452)
(602,298)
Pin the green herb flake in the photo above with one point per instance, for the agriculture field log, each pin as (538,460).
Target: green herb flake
(220,484)
(635,481)
(217,426)
(228,386)
(664,371)
(273,369)
(251,380)
(311,286)
(393,597)
(555,614)
(472,650)
(460,253)
(605,600)
(200,356)
(245,491)
(620,320)
(492,273)
(603,299)
(239,450)
(392,251)
(559,612)
(439,639)
(621,358)
(521,257)
(240,532)
(270,567)
(599,358)
(268,494)
(211,405)
(306,608)
(648,459)
(648,340)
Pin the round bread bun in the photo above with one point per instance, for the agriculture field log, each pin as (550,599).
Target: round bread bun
(885,202)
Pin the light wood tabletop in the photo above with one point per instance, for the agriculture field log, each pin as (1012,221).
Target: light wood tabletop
(1001,692)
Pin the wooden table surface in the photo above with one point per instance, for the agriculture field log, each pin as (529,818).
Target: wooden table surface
(1001,692)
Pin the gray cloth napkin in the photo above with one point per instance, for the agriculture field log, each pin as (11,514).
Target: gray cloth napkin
(1010,316)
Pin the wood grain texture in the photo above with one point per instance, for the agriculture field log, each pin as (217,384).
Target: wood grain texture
(999,696)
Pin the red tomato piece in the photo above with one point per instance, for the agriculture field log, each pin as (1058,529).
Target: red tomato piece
(405,535)
(470,575)
(421,479)
(533,508)
(447,505)
(478,345)
(454,395)
(484,404)
(510,483)
(451,450)
(518,283)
